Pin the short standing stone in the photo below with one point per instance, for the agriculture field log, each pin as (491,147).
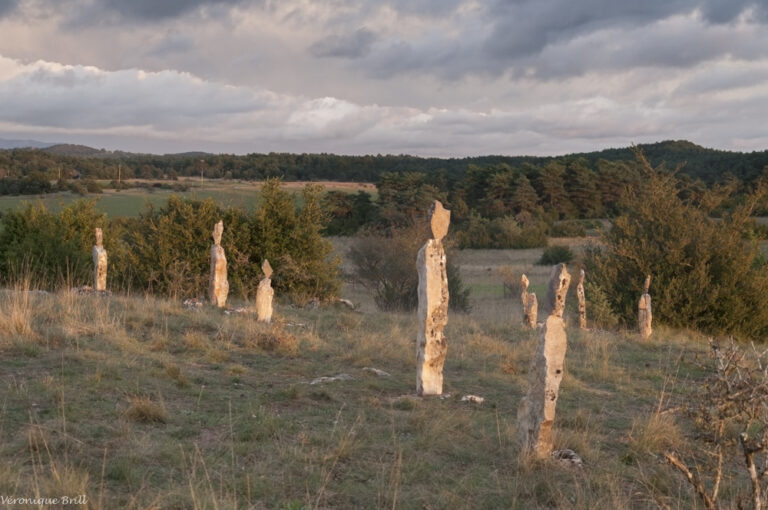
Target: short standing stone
(99,263)
(582,301)
(644,313)
(218,286)
(431,344)
(530,304)
(536,415)
(264,294)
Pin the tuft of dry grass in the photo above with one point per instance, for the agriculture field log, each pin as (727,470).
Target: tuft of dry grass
(16,311)
(276,339)
(142,409)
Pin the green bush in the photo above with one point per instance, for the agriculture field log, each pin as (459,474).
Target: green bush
(166,250)
(53,249)
(556,255)
(502,233)
(705,275)
(569,228)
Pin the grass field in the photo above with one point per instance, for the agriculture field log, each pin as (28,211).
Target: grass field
(130,202)
(139,403)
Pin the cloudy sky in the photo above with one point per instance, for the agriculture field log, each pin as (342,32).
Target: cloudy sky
(426,77)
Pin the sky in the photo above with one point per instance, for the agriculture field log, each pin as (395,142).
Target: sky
(448,78)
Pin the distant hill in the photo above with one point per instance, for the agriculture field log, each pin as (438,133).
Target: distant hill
(709,165)
(83,151)
(21,144)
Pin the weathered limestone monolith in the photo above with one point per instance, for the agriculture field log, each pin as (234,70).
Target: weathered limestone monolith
(218,286)
(582,301)
(433,305)
(644,314)
(264,294)
(99,263)
(530,305)
(536,414)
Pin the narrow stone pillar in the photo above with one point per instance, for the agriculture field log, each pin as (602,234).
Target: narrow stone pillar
(530,305)
(218,286)
(433,305)
(99,263)
(582,301)
(644,314)
(536,414)
(264,294)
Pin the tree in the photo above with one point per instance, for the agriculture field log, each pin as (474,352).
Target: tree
(582,190)
(552,190)
(706,276)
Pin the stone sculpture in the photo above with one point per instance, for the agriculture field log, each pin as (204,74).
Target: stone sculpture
(99,263)
(644,314)
(433,305)
(218,286)
(536,415)
(582,301)
(264,294)
(530,305)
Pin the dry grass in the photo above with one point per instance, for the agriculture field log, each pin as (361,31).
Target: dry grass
(142,409)
(143,404)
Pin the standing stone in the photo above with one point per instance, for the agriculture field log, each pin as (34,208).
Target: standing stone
(433,305)
(530,305)
(99,263)
(536,414)
(264,294)
(644,314)
(218,286)
(582,301)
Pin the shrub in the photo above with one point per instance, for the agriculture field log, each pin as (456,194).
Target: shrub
(705,275)
(555,255)
(504,233)
(510,281)
(92,186)
(51,248)
(166,250)
(569,228)
(386,265)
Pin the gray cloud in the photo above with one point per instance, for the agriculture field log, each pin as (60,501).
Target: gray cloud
(353,45)
(154,10)
(7,6)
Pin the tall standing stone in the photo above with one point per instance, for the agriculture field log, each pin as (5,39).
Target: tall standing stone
(433,305)
(264,294)
(536,414)
(530,304)
(218,286)
(582,301)
(99,263)
(644,314)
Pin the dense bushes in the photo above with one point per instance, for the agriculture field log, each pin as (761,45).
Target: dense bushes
(505,232)
(166,249)
(555,255)
(706,276)
(49,247)
(386,264)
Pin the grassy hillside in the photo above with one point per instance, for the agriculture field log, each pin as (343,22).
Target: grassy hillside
(140,403)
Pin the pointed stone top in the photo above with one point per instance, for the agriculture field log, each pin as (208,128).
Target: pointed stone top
(99,236)
(559,281)
(524,281)
(439,219)
(218,229)
(647,284)
(266,269)
(581,276)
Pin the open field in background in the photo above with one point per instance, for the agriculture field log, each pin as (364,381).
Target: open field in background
(140,403)
(130,202)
